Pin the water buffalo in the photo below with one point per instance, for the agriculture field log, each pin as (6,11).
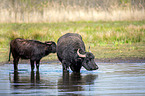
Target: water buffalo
(30,49)
(71,52)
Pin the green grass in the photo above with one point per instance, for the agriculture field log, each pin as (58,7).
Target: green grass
(106,39)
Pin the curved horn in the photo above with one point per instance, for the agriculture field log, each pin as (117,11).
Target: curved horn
(80,55)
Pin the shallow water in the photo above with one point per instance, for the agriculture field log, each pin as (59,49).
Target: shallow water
(111,79)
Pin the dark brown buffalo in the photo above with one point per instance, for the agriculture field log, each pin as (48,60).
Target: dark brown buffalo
(30,49)
(71,52)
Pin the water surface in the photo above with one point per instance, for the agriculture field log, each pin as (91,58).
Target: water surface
(110,80)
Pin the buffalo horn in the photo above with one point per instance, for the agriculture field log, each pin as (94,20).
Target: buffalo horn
(80,55)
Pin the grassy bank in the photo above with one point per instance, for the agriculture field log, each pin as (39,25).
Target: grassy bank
(106,39)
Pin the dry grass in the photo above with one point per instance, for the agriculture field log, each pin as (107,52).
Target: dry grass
(53,11)
(72,15)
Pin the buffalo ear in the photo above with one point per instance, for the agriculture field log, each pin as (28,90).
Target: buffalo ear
(48,43)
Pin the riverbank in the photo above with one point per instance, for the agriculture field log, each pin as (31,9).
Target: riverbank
(122,60)
(105,60)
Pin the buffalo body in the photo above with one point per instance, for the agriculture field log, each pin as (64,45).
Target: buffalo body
(71,52)
(30,49)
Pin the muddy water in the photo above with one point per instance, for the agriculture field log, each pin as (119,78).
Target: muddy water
(110,80)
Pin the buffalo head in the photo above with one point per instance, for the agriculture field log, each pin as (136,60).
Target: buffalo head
(51,46)
(88,60)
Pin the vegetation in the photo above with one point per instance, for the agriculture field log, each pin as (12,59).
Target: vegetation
(106,39)
(112,28)
(28,11)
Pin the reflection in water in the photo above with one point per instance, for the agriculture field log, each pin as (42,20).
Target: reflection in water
(73,83)
(24,82)
(111,79)
(69,82)
(16,77)
(35,80)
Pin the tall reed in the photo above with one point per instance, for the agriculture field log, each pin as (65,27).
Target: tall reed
(29,11)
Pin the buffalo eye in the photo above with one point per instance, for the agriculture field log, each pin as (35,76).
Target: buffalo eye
(79,59)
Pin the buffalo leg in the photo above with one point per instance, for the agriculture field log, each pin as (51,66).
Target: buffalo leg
(32,65)
(15,61)
(65,66)
(75,69)
(37,64)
